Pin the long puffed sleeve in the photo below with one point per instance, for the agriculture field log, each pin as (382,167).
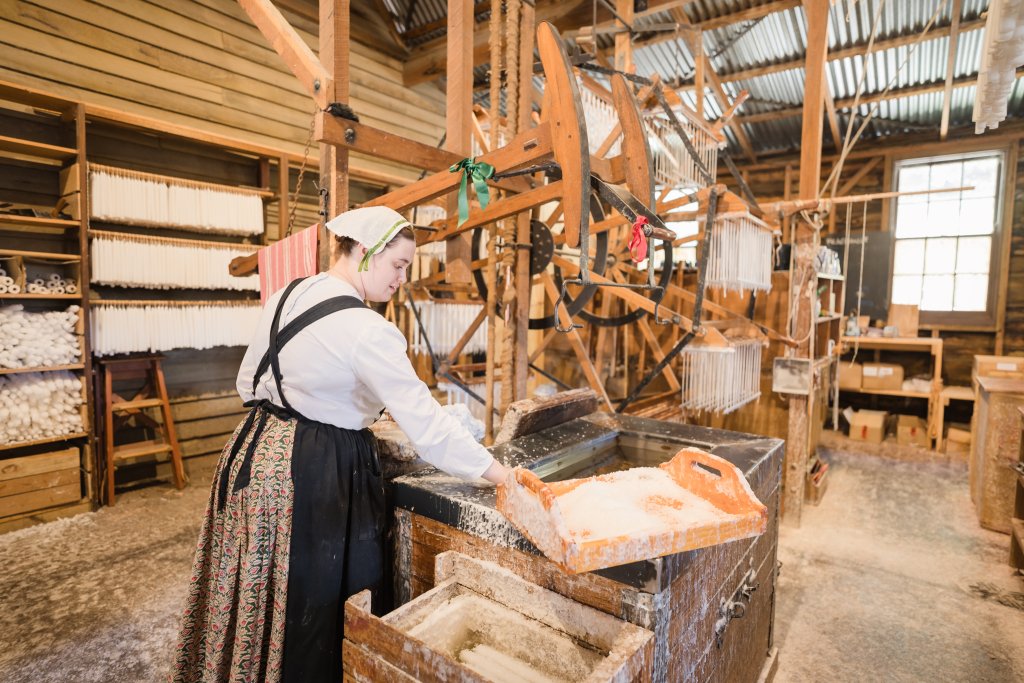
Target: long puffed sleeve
(381,363)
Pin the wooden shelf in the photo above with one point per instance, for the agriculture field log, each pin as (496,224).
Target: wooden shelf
(40,150)
(932,344)
(45,255)
(37,222)
(52,439)
(828,318)
(826,276)
(890,392)
(44,368)
(42,297)
(957,394)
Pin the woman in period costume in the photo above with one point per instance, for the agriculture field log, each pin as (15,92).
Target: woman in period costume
(296,515)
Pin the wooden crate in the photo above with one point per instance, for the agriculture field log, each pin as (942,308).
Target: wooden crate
(481,616)
(37,482)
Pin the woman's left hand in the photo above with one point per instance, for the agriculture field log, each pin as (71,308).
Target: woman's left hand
(496,473)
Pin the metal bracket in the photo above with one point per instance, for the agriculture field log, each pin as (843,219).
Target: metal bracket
(736,606)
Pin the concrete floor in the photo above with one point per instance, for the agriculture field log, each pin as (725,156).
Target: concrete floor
(890,579)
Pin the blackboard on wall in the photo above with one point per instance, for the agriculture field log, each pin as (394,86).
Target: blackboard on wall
(877,267)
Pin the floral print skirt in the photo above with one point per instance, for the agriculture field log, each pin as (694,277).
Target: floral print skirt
(292,529)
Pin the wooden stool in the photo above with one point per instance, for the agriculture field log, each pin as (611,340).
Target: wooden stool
(117,411)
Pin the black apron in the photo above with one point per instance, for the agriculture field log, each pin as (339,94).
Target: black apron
(338,513)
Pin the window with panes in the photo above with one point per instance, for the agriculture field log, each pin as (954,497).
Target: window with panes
(943,241)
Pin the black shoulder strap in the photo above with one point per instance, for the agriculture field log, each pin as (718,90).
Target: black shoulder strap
(305,319)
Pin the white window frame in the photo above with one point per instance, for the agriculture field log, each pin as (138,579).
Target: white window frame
(960,319)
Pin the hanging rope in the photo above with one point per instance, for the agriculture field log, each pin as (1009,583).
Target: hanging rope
(494,42)
(510,225)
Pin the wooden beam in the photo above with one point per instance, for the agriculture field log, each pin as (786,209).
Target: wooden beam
(575,341)
(722,21)
(947,91)
(736,124)
(851,51)
(695,40)
(430,60)
(623,40)
(459,122)
(523,284)
(723,100)
(334,51)
(861,172)
(798,431)
(871,98)
(438,24)
(291,48)
(833,120)
(813,105)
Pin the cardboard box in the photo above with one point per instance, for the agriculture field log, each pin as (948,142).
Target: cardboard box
(912,431)
(868,425)
(850,375)
(1011,367)
(959,434)
(882,376)
(905,318)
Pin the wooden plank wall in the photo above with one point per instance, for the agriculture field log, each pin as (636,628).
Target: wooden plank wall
(203,64)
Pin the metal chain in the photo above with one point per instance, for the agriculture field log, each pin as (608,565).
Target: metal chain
(302,172)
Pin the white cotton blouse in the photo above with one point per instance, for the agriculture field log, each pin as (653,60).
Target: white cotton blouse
(344,368)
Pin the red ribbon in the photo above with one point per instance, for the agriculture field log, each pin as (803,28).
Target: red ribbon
(638,242)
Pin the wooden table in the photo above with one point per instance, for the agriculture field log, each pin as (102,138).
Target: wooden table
(932,345)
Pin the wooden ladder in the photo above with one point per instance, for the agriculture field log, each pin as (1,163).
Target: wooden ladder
(117,411)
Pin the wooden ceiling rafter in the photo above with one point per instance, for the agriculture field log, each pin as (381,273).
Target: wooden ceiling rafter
(728,19)
(947,91)
(700,58)
(285,40)
(871,98)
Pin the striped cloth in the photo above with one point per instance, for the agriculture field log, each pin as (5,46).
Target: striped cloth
(285,260)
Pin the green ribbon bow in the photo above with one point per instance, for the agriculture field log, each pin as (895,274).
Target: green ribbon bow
(479,171)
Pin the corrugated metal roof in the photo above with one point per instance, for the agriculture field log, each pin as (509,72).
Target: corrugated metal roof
(779,37)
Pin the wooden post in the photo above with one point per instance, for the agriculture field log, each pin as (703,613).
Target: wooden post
(522,267)
(91,454)
(334,55)
(459,124)
(624,41)
(798,439)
